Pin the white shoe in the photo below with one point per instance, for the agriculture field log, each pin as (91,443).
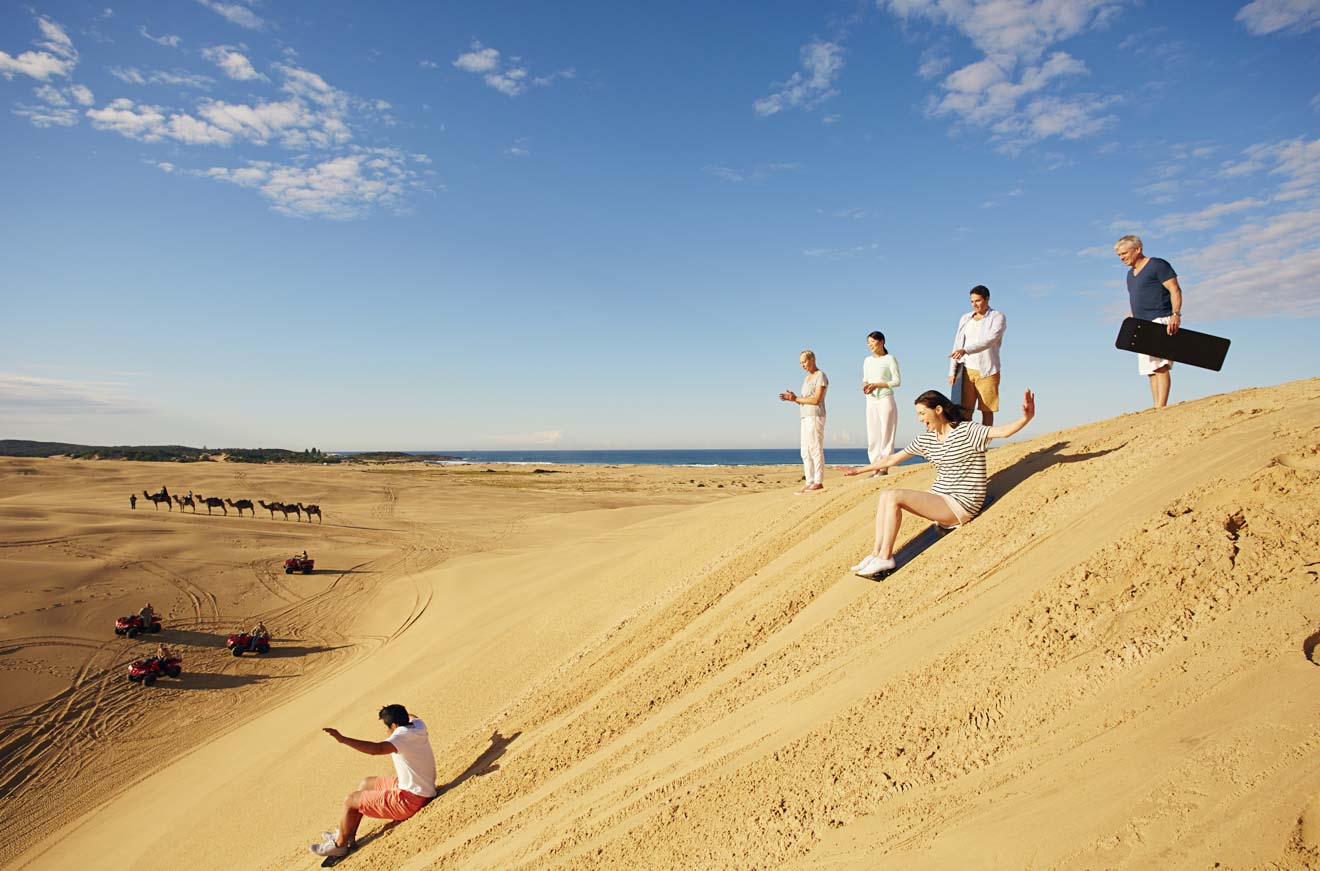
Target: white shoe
(865,559)
(329,848)
(864,568)
(881,565)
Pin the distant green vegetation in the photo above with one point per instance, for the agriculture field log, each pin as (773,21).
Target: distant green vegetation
(162,453)
(183,454)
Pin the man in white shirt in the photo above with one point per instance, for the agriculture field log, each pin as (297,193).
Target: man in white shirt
(386,798)
(976,347)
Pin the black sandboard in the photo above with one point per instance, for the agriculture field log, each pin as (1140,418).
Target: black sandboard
(1185,346)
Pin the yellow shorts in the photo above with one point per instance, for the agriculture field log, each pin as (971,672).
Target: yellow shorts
(980,391)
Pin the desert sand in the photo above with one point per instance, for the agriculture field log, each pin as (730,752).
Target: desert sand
(1114,666)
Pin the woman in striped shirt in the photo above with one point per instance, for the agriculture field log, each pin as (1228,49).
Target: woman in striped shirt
(957,450)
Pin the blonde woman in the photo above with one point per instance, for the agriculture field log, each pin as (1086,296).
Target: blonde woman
(811,404)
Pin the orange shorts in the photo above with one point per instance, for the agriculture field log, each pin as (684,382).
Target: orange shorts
(385,801)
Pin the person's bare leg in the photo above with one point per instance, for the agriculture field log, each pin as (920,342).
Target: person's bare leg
(1159,387)
(889,515)
(348,824)
(987,417)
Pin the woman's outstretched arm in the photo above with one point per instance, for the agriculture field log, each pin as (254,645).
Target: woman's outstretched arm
(887,462)
(1028,412)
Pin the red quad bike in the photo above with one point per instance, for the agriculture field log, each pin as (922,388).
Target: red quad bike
(298,564)
(148,670)
(245,643)
(133,625)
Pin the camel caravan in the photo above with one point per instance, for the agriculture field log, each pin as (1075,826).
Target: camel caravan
(193,500)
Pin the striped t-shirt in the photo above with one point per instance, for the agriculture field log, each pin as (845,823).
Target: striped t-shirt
(960,462)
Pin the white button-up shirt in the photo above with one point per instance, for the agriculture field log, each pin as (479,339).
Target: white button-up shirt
(981,340)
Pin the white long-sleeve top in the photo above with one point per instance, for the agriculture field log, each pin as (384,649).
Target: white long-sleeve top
(981,340)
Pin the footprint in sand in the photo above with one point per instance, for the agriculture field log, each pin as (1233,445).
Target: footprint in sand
(1300,462)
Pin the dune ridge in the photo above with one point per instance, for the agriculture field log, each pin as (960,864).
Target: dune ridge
(1111,667)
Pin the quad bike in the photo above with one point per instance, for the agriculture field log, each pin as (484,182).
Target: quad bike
(148,670)
(298,564)
(244,642)
(133,625)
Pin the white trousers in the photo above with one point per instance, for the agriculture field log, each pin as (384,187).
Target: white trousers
(881,426)
(813,449)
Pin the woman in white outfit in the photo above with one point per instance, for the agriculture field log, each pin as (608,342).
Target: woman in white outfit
(811,402)
(879,378)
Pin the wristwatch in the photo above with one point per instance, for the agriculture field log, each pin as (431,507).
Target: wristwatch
(1176,315)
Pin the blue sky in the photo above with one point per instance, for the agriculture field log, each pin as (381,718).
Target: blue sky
(604,225)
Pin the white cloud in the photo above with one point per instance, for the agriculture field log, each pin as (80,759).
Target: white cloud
(56,40)
(47,115)
(934,61)
(166,166)
(840,253)
(168,40)
(58,59)
(135,76)
(236,13)
(1206,218)
(22,394)
(822,63)
(511,80)
(1262,17)
(1015,35)
(755,174)
(479,60)
(1010,31)
(232,63)
(128,119)
(518,149)
(82,95)
(1268,265)
(340,188)
(428,65)
(546,81)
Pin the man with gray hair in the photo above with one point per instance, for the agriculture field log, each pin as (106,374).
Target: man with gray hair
(1153,295)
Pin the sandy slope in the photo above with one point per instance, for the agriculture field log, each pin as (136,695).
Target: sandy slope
(1110,668)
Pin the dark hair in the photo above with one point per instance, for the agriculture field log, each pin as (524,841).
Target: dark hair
(934,399)
(877,335)
(394,715)
(981,290)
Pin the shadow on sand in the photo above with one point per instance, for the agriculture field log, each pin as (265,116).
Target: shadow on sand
(999,485)
(485,763)
(1003,481)
(197,680)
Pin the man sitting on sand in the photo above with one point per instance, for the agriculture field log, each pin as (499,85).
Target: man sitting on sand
(385,798)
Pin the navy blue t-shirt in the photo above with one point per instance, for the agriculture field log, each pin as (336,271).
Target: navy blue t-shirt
(1146,290)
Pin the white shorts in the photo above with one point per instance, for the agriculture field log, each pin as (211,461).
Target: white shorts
(1148,365)
(963,515)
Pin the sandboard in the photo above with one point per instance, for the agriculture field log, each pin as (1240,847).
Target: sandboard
(1185,346)
(955,389)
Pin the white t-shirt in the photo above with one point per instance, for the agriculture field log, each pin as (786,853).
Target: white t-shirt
(414,762)
(812,383)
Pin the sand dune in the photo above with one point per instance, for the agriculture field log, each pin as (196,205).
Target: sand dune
(1112,667)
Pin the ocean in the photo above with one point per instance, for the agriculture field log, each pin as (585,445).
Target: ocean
(697,457)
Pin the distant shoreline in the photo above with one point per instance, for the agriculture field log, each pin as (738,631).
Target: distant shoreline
(676,457)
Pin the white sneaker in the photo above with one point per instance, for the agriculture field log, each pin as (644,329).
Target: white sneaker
(328,848)
(864,568)
(875,565)
(862,563)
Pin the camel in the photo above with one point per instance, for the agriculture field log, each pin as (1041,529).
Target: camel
(185,502)
(159,498)
(309,510)
(291,509)
(272,507)
(240,505)
(211,502)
